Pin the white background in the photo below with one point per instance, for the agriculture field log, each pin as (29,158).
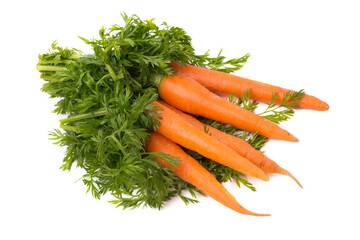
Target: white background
(311,45)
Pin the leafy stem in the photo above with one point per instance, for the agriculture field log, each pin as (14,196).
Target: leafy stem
(98,113)
(281,112)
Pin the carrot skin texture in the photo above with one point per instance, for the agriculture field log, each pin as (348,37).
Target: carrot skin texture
(227,83)
(192,172)
(178,130)
(190,96)
(239,145)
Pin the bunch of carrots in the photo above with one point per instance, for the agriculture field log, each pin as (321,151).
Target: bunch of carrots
(142,78)
(192,91)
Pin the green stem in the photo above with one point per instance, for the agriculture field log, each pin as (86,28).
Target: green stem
(269,109)
(111,72)
(118,144)
(43,65)
(54,62)
(99,113)
(108,48)
(99,82)
(50,68)
(48,78)
(69,128)
(75,56)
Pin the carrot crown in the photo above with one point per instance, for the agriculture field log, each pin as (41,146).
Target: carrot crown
(155,79)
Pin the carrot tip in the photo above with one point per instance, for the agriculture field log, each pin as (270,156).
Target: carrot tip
(292,138)
(296,180)
(257,214)
(260,174)
(287,173)
(324,106)
(265,178)
(262,215)
(247,212)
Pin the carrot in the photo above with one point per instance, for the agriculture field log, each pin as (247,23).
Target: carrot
(226,83)
(192,172)
(239,145)
(180,131)
(191,97)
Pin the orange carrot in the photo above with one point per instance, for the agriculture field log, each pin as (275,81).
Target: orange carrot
(239,145)
(192,172)
(227,83)
(191,97)
(175,128)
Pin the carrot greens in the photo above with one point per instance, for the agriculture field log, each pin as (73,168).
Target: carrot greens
(284,110)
